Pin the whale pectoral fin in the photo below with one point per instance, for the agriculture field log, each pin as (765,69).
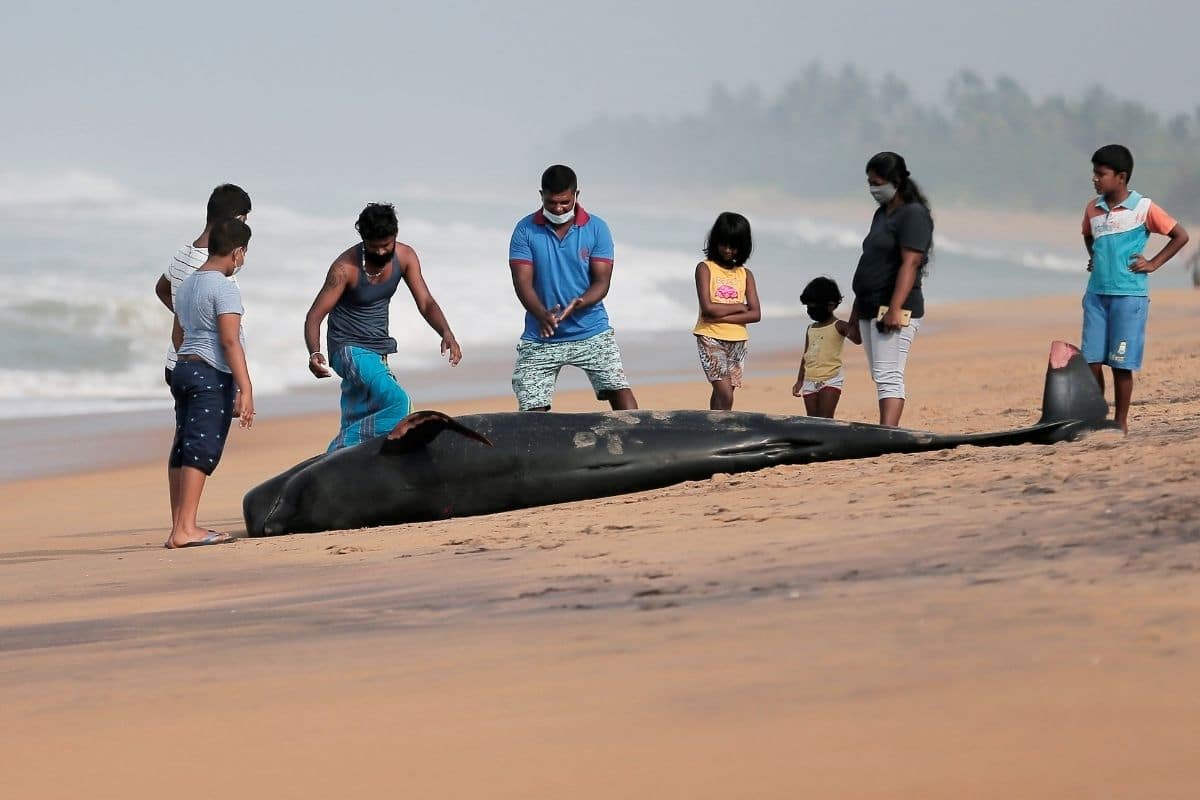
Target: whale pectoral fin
(422,427)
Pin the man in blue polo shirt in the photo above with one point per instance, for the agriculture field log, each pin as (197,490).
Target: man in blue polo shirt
(562,259)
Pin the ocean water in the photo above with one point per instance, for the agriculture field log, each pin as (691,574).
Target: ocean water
(85,334)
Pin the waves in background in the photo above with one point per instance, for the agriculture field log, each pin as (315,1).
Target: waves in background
(84,332)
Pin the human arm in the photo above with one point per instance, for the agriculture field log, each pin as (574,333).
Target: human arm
(522,277)
(229,330)
(910,264)
(335,284)
(1177,237)
(711,311)
(1088,241)
(799,385)
(176,332)
(426,305)
(162,290)
(849,331)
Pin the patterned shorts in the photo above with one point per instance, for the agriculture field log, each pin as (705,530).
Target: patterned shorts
(203,411)
(722,360)
(538,365)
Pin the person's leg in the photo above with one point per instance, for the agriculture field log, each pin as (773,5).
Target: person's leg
(889,353)
(1127,337)
(535,373)
(600,358)
(1123,391)
(174,459)
(1094,337)
(735,363)
(812,403)
(205,425)
(827,402)
(621,400)
(183,527)
(721,398)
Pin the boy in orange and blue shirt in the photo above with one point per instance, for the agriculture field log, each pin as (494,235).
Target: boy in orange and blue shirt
(1117,224)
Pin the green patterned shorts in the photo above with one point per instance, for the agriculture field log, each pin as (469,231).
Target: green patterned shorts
(538,365)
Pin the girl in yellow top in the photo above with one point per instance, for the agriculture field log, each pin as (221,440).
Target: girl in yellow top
(728,302)
(820,378)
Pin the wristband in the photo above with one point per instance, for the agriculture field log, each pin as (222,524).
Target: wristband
(315,353)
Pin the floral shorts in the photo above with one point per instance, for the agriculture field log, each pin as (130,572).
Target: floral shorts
(538,365)
(722,360)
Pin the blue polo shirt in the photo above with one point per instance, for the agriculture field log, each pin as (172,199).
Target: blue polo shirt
(562,270)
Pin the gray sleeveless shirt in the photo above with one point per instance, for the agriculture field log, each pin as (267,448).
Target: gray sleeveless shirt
(360,317)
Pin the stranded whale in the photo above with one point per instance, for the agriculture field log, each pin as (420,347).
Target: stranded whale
(432,466)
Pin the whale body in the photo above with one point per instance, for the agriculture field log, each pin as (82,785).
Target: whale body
(432,466)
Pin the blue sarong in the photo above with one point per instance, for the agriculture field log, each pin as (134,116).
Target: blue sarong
(372,399)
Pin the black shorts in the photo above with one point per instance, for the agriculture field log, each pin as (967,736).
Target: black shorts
(203,412)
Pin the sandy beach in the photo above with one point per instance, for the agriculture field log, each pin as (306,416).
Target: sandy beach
(985,623)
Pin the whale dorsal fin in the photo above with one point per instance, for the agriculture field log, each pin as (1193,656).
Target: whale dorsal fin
(422,427)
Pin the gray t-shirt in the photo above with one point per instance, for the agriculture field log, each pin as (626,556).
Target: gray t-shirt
(909,226)
(202,297)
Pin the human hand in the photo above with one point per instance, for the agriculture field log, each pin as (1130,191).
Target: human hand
(891,321)
(568,311)
(1089,266)
(450,345)
(1139,264)
(318,366)
(548,321)
(796,388)
(243,409)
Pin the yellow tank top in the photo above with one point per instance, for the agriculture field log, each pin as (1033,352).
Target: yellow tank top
(823,359)
(724,286)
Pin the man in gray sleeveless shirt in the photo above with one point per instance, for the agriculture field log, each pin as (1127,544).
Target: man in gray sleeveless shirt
(355,297)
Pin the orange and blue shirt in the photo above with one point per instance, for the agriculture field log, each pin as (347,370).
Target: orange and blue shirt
(562,270)
(1118,234)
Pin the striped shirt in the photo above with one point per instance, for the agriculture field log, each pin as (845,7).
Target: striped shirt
(187,260)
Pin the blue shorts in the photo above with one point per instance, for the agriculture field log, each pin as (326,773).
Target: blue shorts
(203,411)
(1114,329)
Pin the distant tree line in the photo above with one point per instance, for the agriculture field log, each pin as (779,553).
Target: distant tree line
(986,144)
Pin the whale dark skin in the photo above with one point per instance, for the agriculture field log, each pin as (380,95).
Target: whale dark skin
(432,466)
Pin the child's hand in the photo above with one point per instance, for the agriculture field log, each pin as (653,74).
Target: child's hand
(1138,263)
(243,409)
(796,388)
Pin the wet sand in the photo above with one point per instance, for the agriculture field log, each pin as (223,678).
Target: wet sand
(1010,622)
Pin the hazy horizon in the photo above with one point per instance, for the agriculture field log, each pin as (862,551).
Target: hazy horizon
(366,97)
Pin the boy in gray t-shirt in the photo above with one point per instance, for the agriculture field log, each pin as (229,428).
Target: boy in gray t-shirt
(210,382)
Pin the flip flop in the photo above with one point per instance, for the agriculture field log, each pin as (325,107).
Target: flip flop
(214,537)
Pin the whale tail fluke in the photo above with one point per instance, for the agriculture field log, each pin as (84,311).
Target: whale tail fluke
(1071,391)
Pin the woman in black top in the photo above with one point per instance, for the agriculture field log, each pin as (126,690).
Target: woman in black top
(888,303)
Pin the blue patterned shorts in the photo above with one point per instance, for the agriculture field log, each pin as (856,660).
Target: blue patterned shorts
(538,365)
(203,411)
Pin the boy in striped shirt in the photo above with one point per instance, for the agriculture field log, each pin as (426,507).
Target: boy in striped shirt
(227,200)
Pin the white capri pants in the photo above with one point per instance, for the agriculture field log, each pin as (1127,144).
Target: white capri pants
(887,353)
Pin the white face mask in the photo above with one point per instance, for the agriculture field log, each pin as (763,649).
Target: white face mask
(882,194)
(559,219)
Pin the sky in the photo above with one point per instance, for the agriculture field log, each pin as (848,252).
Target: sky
(362,96)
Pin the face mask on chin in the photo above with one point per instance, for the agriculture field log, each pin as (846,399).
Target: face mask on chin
(378,259)
(559,219)
(882,194)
